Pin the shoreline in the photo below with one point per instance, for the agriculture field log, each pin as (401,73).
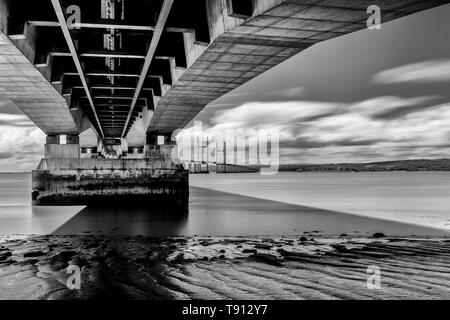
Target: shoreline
(304,267)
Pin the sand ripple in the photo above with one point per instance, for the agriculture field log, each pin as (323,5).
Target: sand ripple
(224,268)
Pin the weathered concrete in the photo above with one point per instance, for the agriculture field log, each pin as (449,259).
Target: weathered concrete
(106,164)
(24,85)
(58,151)
(99,181)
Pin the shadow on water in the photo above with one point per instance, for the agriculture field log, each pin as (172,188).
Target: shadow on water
(153,220)
(214,213)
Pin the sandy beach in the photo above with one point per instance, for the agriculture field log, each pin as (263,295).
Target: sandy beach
(305,267)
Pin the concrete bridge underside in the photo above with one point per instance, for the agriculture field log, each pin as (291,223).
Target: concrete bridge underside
(137,69)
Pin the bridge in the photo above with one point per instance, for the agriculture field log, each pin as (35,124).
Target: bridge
(109,81)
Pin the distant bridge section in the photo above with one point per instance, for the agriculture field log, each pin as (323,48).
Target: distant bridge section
(205,168)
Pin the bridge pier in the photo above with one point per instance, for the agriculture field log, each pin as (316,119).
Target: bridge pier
(55,149)
(63,178)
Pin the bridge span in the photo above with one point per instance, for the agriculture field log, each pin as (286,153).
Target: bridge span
(109,81)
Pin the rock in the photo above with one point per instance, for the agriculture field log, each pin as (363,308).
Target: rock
(266,258)
(303,239)
(378,235)
(205,259)
(33,254)
(178,258)
(344,235)
(254,251)
(222,251)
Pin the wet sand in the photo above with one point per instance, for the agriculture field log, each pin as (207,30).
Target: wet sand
(307,267)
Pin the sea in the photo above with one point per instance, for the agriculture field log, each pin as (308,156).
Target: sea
(288,203)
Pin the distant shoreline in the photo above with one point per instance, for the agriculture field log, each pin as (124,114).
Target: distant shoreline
(419,165)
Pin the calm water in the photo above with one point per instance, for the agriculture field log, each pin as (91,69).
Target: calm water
(285,204)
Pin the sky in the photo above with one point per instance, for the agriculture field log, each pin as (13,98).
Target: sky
(372,95)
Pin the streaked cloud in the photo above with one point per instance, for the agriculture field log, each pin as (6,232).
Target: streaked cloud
(21,142)
(423,72)
(295,92)
(339,132)
(15,120)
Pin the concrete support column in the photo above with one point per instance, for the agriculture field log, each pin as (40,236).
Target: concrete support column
(72,139)
(52,139)
(152,139)
(55,150)
(157,138)
(159,146)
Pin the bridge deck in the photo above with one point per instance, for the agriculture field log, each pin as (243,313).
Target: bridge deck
(130,72)
(24,85)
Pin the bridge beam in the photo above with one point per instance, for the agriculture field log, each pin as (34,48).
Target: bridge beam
(65,29)
(160,25)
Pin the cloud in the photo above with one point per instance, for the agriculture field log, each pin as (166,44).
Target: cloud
(15,120)
(20,148)
(389,107)
(6,155)
(221,105)
(423,72)
(8,107)
(263,114)
(380,128)
(289,93)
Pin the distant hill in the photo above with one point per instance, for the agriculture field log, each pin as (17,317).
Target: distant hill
(400,165)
